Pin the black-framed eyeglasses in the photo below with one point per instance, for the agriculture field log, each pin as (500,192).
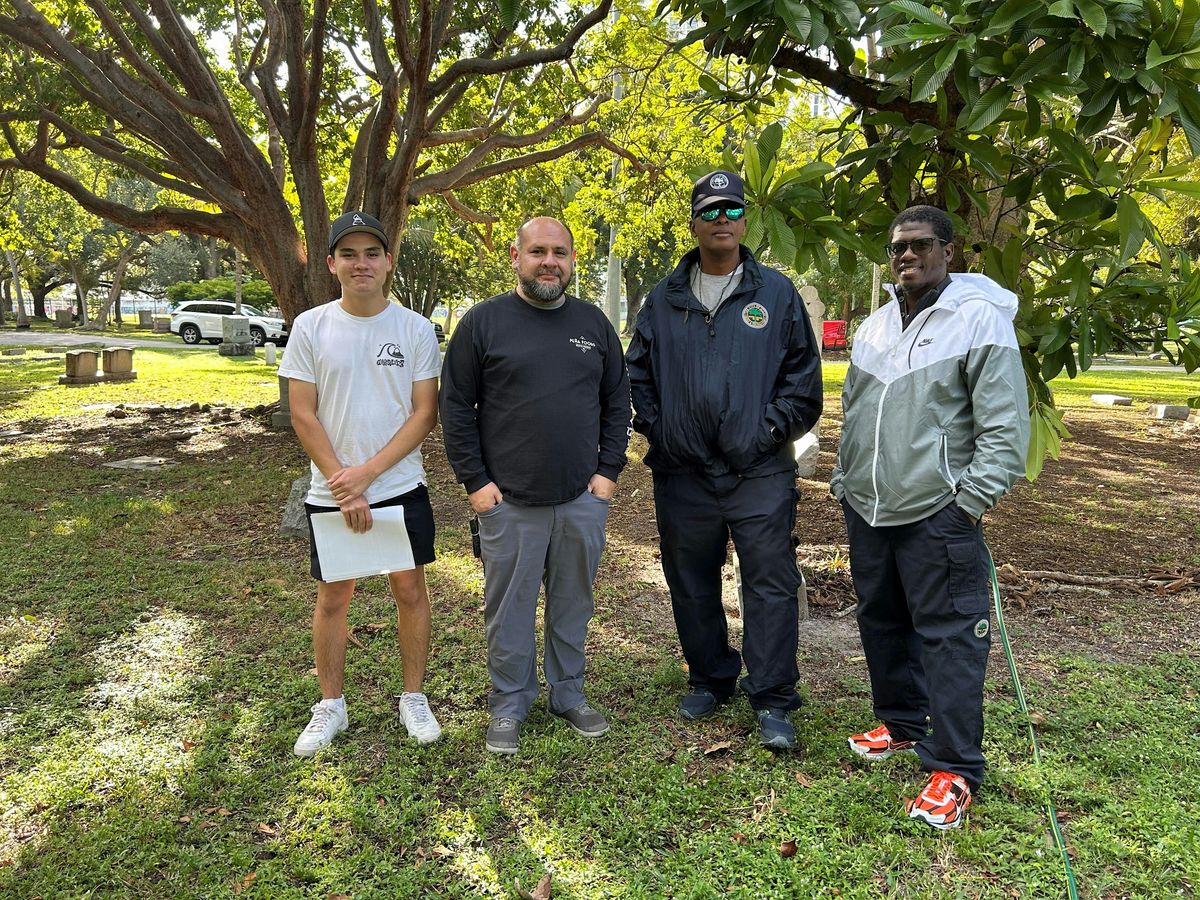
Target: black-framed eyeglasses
(919,246)
(732,213)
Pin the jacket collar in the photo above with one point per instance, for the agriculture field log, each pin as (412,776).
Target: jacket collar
(679,282)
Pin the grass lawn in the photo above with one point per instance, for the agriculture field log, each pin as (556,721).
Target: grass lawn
(155,669)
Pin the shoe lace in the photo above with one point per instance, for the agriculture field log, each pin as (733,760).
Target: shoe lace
(505,722)
(418,708)
(939,787)
(320,718)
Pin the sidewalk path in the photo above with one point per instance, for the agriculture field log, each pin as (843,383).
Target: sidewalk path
(12,338)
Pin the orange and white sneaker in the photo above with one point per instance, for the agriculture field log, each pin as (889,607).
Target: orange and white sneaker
(942,801)
(878,744)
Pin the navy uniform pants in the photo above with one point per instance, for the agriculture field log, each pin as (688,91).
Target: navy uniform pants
(923,615)
(697,515)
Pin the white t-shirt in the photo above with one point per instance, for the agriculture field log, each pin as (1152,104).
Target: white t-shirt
(364,369)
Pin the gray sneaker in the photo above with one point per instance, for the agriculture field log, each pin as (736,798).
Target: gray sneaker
(585,720)
(503,735)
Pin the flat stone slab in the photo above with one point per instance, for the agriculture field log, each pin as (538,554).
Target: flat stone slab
(1112,400)
(140,463)
(1165,411)
(13,351)
(294,526)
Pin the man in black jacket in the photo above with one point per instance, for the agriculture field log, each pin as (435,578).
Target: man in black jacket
(535,413)
(725,375)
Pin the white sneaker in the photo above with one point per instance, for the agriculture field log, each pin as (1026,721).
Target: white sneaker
(328,719)
(417,718)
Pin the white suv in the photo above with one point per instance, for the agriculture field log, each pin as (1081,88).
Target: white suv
(197,320)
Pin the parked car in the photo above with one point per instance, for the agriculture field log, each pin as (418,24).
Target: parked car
(201,320)
(439,332)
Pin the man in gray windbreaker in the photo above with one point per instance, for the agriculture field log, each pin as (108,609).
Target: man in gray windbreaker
(935,433)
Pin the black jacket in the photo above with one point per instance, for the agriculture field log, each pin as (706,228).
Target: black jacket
(727,391)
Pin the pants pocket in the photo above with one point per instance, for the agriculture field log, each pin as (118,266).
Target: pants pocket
(965,574)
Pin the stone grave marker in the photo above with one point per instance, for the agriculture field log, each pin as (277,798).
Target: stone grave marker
(294,526)
(81,368)
(145,318)
(161,325)
(1112,400)
(118,364)
(1165,411)
(140,463)
(13,351)
(63,318)
(236,340)
(282,418)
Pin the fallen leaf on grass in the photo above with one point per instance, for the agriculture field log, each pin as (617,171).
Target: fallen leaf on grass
(787,849)
(718,747)
(185,746)
(245,883)
(442,851)
(1038,718)
(355,641)
(183,820)
(371,627)
(264,828)
(803,780)
(339,897)
(738,837)
(541,892)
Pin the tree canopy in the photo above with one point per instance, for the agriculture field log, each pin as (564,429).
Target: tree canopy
(1043,128)
(255,120)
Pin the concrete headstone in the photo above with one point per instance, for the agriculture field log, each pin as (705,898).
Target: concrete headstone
(1112,400)
(294,526)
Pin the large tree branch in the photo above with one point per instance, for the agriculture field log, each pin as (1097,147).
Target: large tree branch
(862,92)
(151,221)
(440,182)
(464,68)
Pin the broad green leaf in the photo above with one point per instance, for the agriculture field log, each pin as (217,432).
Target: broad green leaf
(989,108)
(796,17)
(510,12)
(753,173)
(922,133)
(779,237)
(769,143)
(1155,56)
(927,79)
(1061,9)
(1131,226)
(1093,14)
(919,12)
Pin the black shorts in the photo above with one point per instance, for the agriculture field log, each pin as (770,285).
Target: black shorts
(418,520)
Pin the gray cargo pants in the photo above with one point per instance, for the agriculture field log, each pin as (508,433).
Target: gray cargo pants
(523,547)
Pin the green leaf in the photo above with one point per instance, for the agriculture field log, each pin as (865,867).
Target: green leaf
(930,76)
(779,237)
(753,173)
(1043,59)
(919,12)
(1155,56)
(510,12)
(1131,226)
(796,17)
(1093,14)
(989,108)
(1061,9)
(922,133)
(1188,188)
(769,143)
(755,233)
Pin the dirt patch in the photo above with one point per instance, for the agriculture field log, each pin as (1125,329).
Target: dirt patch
(1123,500)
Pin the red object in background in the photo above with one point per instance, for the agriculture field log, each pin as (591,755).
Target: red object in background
(834,335)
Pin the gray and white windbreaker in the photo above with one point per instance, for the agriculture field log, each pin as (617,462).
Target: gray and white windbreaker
(937,413)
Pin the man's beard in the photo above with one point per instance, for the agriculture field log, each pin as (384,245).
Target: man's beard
(542,293)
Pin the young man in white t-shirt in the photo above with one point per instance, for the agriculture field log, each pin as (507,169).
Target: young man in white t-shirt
(363,386)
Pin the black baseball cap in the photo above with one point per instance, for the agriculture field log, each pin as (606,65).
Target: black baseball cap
(717,188)
(348,223)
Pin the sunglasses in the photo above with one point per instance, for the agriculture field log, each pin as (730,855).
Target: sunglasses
(920,246)
(732,213)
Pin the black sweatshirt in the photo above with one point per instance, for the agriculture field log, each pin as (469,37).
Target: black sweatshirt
(535,400)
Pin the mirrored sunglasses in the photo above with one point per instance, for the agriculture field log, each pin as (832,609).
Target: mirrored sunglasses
(920,246)
(732,213)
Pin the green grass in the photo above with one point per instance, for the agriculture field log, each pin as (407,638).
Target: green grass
(154,672)
(29,388)
(1171,386)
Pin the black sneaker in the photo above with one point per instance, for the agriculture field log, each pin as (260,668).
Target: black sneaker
(503,735)
(699,703)
(774,729)
(585,720)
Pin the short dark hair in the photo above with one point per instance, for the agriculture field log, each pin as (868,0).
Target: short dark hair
(931,215)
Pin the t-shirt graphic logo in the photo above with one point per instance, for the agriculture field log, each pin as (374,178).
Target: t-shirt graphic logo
(358,220)
(718,181)
(583,343)
(925,343)
(389,355)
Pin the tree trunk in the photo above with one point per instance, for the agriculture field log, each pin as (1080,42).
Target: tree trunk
(38,294)
(114,291)
(633,300)
(80,295)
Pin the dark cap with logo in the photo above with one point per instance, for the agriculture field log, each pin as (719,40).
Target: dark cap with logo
(348,223)
(717,188)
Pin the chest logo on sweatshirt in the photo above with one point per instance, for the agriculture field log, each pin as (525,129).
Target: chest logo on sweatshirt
(390,355)
(583,343)
(754,315)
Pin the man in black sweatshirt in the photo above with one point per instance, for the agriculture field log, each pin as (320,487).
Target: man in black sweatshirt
(536,415)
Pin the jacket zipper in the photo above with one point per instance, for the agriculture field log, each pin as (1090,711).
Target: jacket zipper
(875,455)
(946,465)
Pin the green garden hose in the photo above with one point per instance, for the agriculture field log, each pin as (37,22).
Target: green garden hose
(1061,844)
